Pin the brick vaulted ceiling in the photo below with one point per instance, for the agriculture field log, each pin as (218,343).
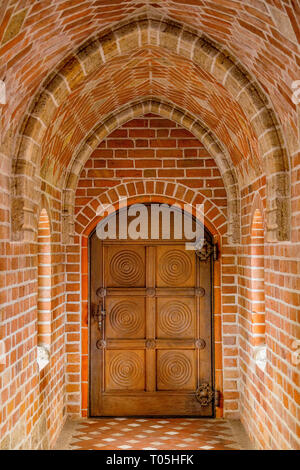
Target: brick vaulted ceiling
(148,72)
(36,36)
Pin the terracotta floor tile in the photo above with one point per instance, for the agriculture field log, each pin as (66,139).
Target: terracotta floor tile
(164,434)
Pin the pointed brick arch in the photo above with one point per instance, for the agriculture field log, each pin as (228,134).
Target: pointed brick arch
(168,110)
(151,191)
(188,43)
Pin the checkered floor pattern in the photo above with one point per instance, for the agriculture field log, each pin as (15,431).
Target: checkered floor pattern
(153,434)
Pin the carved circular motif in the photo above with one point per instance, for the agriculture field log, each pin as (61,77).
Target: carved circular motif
(126,267)
(126,369)
(125,318)
(174,369)
(175,317)
(175,267)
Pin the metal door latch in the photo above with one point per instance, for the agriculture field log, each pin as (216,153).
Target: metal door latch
(205,394)
(99,313)
(99,316)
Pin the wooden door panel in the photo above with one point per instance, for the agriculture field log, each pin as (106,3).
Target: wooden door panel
(176,370)
(154,404)
(175,343)
(176,267)
(125,266)
(125,370)
(176,317)
(125,317)
(124,344)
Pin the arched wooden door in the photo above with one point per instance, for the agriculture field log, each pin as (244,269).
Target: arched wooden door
(150,328)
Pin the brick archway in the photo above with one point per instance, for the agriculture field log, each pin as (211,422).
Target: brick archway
(217,230)
(171,112)
(202,52)
(164,191)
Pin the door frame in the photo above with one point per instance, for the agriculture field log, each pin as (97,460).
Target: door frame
(216,343)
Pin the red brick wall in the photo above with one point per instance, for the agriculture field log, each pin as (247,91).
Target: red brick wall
(270,399)
(153,148)
(32,402)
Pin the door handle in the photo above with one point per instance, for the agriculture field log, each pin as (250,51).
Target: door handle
(99,312)
(204,394)
(99,315)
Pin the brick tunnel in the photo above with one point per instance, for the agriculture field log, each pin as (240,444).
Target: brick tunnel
(172,103)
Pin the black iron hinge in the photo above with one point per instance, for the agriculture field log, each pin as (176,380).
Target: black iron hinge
(208,249)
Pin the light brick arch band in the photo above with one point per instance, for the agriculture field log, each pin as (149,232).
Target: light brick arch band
(142,191)
(188,43)
(167,110)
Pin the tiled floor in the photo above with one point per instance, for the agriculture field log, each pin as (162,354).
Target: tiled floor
(137,434)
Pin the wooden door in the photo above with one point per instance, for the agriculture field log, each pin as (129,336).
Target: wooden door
(151,354)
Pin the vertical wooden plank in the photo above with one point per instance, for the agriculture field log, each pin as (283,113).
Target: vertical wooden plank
(96,355)
(150,319)
(151,265)
(198,315)
(205,320)
(104,268)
